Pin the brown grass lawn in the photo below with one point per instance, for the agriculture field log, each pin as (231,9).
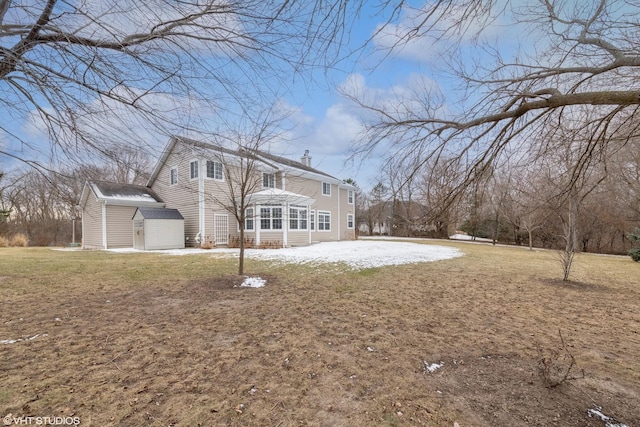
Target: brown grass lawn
(158,340)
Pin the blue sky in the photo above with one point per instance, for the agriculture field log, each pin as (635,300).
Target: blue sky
(324,122)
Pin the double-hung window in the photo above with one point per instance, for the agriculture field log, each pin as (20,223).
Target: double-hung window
(214,170)
(271,218)
(248,219)
(297,218)
(350,197)
(349,220)
(326,189)
(173,176)
(324,221)
(312,222)
(193,169)
(268,180)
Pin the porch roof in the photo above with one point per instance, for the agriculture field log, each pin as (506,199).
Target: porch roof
(278,196)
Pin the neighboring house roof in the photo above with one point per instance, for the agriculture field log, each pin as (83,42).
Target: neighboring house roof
(276,195)
(120,194)
(159,213)
(276,162)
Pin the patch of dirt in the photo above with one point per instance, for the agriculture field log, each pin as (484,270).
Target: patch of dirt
(319,349)
(574,286)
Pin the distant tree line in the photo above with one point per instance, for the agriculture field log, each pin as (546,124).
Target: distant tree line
(42,204)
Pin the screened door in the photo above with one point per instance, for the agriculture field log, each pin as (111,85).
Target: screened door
(221,228)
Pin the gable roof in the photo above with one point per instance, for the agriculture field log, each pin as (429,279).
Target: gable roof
(159,213)
(272,160)
(120,194)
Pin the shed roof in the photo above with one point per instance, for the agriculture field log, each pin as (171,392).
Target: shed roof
(159,213)
(120,194)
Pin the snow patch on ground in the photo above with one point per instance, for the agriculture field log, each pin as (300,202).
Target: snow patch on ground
(22,339)
(608,421)
(432,367)
(357,254)
(253,282)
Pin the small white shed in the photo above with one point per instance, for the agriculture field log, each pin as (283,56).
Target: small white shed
(158,228)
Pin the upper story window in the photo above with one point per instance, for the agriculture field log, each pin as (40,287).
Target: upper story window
(214,170)
(173,176)
(326,189)
(350,197)
(268,180)
(193,169)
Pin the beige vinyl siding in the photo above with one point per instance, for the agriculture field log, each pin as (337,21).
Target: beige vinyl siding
(313,188)
(346,209)
(92,224)
(216,202)
(271,236)
(120,226)
(182,196)
(298,238)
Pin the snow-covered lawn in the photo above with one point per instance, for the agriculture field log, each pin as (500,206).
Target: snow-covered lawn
(358,254)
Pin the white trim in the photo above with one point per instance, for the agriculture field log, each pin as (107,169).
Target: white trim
(202,223)
(351,195)
(104,224)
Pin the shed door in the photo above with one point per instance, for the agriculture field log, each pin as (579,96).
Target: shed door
(221,228)
(138,234)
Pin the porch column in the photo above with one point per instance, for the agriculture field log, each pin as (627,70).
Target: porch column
(285,224)
(258,223)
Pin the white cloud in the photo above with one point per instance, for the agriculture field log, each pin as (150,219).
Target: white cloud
(427,46)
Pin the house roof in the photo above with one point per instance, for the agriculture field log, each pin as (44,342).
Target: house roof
(276,195)
(120,194)
(159,213)
(272,160)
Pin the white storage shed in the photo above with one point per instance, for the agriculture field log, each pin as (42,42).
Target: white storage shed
(158,228)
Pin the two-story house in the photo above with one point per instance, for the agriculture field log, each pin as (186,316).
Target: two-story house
(288,202)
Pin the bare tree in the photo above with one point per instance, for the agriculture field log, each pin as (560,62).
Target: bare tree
(95,71)
(586,58)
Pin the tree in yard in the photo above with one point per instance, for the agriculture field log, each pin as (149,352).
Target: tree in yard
(243,177)
(580,57)
(379,202)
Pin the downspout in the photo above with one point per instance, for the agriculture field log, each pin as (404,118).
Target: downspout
(309,222)
(339,215)
(104,224)
(82,228)
(201,207)
(258,223)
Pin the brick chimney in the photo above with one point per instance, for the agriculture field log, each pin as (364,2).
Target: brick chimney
(306,159)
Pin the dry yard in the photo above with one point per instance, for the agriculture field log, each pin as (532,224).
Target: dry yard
(136,339)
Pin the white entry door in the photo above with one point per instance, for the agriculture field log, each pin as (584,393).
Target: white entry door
(221,228)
